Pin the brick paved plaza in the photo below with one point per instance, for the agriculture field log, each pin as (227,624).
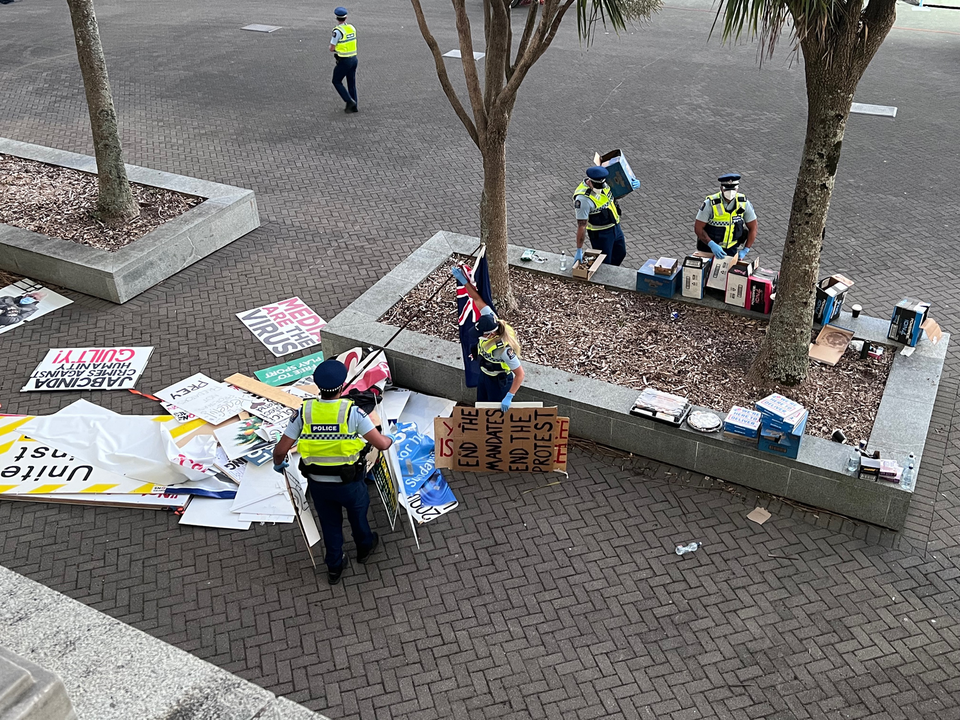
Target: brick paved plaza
(529,601)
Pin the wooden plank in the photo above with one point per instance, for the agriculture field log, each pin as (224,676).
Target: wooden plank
(265,391)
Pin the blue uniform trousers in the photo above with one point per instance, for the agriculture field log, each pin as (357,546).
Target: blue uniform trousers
(610,242)
(330,500)
(346,68)
(493,388)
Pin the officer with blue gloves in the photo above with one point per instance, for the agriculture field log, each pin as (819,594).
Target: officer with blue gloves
(343,43)
(726,224)
(332,436)
(598,217)
(498,349)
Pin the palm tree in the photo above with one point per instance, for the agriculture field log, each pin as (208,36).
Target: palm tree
(491,103)
(838,39)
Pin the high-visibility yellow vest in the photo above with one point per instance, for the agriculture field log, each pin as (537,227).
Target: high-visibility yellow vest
(605,214)
(722,227)
(489,350)
(325,439)
(347,47)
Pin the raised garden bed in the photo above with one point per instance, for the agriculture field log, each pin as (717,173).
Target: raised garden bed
(122,271)
(599,411)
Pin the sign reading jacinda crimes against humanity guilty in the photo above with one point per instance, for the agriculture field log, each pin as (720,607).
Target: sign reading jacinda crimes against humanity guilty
(89,369)
(284,327)
(489,440)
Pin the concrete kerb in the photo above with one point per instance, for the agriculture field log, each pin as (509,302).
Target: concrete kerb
(226,214)
(599,411)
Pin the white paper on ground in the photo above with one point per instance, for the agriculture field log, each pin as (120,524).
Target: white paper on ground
(135,446)
(213,513)
(263,491)
(206,398)
(259,518)
(422,409)
(393,403)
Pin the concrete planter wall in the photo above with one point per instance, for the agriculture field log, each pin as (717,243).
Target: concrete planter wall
(226,214)
(599,411)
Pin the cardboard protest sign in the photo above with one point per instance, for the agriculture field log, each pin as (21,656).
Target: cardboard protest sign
(284,327)
(204,397)
(386,482)
(525,439)
(290,372)
(26,300)
(89,369)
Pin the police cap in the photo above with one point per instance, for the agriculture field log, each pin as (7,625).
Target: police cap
(486,324)
(340,12)
(729,179)
(330,375)
(597,173)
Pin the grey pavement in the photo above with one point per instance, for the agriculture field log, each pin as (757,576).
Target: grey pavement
(565,600)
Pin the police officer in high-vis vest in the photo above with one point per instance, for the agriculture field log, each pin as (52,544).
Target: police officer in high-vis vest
(497,349)
(726,223)
(344,44)
(332,436)
(598,217)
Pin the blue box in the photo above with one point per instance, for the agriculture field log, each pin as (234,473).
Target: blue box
(907,321)
(788,446)
(830,295)
(742,421)
(792,425)
(662,285)
(621,179)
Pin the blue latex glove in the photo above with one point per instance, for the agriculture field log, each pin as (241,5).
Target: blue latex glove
(578,255)
(717,250)
(393,438)
(281,467)
(459,274)
(505,403)
(743,252)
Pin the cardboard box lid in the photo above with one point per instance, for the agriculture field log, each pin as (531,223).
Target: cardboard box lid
(665,266)
(697,262)
(914,305)
(831,344)
(833,280)
(599,159)
(743,417)
(932,328)
(779,406)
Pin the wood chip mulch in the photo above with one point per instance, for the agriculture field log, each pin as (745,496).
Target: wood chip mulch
(57,202)
(630,339)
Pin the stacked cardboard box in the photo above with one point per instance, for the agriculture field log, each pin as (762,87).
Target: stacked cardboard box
(696,270)
(653,283)
(782,422)
(621,179)
(742,422)
(762,288)
(910,320)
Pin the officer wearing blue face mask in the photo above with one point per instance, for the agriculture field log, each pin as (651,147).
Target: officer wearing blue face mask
(726,223)
(598,217)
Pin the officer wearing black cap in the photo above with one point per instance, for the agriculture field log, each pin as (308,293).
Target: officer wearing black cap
(344,44)
(598,217)
(331,435)
(726,223)
(498,350)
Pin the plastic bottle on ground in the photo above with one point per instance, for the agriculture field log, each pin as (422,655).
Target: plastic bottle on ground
(563,260)
(684,549)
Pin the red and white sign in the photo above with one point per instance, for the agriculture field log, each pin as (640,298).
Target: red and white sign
(89,369)
(284,327)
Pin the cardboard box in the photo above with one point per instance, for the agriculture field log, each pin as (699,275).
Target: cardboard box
(906,324)
(830,345)
(784,448)
(695,269)
(742,421)
(592,260)
(719,268)
(738,283)
(831,292)
(761,289)
(666,266)
(621,180)
(662,285)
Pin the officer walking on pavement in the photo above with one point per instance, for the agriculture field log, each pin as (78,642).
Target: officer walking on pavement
(498,349)
(331,435)
(726,223)
(344,45)
(598,217)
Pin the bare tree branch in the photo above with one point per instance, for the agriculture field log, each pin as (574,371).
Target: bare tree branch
(470,67)
(442,74)
(498,53)
(550,18)
(528,27)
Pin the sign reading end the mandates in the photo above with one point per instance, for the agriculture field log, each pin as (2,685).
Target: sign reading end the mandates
(289,372)
(284,327)
(89,369)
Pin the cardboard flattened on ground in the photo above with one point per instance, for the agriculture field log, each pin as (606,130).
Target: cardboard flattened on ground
(212,513)
(263,390)
(290,372)
(284,327)
(831,344)
(26,300)
(759,515)
(204,397)
(489,440)
(89,369)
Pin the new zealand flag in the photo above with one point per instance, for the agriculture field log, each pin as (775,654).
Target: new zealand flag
(468,314)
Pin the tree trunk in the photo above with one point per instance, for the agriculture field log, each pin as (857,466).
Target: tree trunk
(115,202)
(783,357)
(493,214)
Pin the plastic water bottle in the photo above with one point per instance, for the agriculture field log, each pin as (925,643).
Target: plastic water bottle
(853,462)
(909,478)
(563,260)
(684,549)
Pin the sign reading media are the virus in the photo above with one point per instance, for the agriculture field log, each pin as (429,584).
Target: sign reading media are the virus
(284,327)
(89,369)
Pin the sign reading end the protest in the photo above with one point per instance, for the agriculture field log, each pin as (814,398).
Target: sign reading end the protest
(529,439)
(89,369)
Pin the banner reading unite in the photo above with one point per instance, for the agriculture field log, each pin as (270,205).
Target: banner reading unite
(89,369)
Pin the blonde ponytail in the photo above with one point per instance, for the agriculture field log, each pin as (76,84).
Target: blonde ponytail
(509,336)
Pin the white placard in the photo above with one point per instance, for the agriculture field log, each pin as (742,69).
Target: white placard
(284,327)
(95,368)
(206,398)
(27,300)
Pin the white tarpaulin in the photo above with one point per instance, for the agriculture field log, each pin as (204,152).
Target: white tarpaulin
(422,409)
(115,368)
(138,447)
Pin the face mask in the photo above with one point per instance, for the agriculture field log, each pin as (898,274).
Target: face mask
(729,195)
(27,301)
